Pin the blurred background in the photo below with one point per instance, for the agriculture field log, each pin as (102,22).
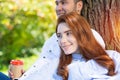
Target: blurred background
(24,27)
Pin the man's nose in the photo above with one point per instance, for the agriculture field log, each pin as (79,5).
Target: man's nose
(59,6)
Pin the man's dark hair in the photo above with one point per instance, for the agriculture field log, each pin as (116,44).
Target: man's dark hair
(77,1)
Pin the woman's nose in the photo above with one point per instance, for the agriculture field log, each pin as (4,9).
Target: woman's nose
(63,40)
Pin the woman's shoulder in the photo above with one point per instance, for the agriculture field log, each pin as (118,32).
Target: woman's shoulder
(89,68)
(113,54)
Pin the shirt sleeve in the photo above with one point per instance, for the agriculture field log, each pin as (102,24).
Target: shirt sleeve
(98,38)
(43,69)
(116,58)
(51,48)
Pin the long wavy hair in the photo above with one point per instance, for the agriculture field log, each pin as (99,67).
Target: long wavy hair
(88,46)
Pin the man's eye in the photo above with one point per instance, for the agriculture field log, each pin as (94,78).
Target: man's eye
(56,3)
(63,2)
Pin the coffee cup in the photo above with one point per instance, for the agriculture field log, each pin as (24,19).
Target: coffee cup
(16,67)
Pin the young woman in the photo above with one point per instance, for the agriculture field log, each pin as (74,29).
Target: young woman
(82,57)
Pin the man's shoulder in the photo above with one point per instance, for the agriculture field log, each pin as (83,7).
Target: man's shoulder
(51,48)
(53,38)
(51,42)
(99,38)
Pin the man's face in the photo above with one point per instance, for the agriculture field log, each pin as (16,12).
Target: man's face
(64,6)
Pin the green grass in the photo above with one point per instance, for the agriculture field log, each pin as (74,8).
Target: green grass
(28,61)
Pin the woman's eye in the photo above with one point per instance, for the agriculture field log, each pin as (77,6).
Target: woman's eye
(69,33)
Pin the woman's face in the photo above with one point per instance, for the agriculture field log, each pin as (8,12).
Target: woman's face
(66,39)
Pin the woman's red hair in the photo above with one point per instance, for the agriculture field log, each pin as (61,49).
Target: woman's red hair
(88,46)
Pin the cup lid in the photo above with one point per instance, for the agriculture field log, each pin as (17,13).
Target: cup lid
(16,62)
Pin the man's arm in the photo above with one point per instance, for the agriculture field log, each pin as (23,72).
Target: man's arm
(98,38)
(51,48)
(50,51)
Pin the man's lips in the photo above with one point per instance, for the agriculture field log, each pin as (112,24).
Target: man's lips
(60,13)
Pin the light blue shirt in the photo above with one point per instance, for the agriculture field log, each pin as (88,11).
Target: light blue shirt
(97,72)
(80,69)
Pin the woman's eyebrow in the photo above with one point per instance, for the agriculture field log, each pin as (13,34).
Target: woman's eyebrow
(64,31)
(67,31)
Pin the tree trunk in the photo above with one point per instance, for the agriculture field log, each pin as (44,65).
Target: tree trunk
(104,17)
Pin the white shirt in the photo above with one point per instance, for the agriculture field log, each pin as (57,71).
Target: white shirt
(50,52)
(79,69)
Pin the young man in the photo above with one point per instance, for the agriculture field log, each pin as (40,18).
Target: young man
(51,48)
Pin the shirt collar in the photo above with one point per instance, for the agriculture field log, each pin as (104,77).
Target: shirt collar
(77,56)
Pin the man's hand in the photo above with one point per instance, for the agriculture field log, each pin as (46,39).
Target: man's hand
(11,75)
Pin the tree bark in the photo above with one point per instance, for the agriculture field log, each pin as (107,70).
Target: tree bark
(104,17)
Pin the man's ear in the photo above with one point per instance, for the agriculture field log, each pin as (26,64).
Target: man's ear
(79,6)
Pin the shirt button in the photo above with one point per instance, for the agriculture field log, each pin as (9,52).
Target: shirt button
(50,50)
(44,57)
